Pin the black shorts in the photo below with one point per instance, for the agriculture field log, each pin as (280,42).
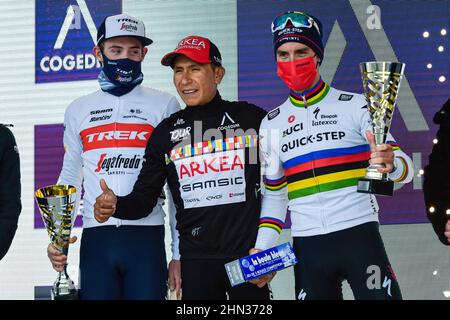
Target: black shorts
(356,254)
(208,280)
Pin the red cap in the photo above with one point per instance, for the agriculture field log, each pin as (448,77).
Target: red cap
(196,48)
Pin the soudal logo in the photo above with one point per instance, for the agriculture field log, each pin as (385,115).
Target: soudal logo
(65,35)
(116,135)
(105,164)
(215,164)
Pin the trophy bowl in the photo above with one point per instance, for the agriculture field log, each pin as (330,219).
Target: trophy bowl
(381,82)
(57,207)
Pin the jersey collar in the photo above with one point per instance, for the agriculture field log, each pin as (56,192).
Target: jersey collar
(310,97)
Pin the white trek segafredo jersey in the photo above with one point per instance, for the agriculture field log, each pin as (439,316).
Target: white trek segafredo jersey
(105,138)
(315,151)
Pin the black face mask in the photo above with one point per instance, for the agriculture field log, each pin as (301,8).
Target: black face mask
(121,72)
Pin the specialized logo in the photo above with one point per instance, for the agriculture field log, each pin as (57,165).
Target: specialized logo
(316,112)
(374,280)
(323,116)
(117,164)
(65,35)
(195,231)
(301,295)
(116,135)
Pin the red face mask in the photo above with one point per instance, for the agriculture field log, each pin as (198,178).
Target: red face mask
(298,74)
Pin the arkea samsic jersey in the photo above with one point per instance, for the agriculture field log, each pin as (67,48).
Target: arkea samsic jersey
(315,151)
(105,137)
(208,154)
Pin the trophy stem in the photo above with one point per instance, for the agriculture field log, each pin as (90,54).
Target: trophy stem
(63,287)
(373,173)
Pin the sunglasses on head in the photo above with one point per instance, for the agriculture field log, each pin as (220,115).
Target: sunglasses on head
(298,20)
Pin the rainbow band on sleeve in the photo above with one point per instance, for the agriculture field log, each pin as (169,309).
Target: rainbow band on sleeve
(405,170)
(404,174)
(272,223)
(394,145)
(275,185)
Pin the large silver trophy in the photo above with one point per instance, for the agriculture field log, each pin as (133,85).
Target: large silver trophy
(381,82)
(57,207)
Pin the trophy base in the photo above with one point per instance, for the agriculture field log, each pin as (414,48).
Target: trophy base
(72,295)
(379,187)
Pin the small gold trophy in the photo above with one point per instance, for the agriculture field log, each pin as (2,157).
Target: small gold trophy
(381,82)
(57,207)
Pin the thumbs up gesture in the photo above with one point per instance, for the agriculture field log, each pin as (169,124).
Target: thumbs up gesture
(105,204)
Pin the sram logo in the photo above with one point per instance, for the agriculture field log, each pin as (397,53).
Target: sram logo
(116,135)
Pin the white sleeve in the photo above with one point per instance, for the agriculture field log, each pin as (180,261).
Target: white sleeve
(173,226)
(72,169)
(275,196)
(403,165)
(172,107)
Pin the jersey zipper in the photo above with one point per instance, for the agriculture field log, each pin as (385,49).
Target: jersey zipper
(322,213)
(118,101)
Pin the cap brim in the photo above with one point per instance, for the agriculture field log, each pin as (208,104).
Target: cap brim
(145,41)
(168,59)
